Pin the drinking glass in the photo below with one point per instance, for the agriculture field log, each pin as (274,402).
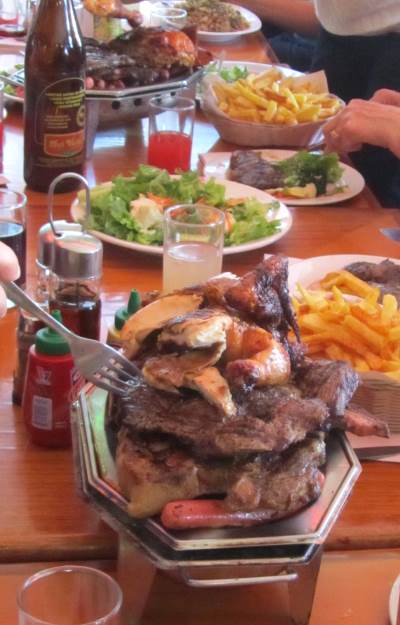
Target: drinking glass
(69,595)
(168,17)
(171,119)
(13,17)
(13,227)
(193,245)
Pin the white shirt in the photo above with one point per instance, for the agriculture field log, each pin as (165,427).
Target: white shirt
(359,17)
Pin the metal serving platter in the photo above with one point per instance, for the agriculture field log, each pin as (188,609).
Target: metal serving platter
(17,79)
(308,528)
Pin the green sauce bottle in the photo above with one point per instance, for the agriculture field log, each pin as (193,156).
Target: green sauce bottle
(122,314)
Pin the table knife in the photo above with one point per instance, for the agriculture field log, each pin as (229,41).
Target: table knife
(392,233)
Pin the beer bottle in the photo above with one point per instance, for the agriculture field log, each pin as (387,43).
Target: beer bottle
(54,112)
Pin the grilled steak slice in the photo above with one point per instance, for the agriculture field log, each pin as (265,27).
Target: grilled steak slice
(198,424)
(381,273)
(332,381)
(360,422)
(385,275)
(285,485)
(249,167)
(154,470)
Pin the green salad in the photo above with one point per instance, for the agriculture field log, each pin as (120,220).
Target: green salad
(131,208)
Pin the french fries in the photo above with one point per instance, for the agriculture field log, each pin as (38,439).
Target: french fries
(271,98)
(343,320)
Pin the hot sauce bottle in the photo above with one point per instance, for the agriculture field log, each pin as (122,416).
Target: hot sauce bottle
(54,111)
(51,384)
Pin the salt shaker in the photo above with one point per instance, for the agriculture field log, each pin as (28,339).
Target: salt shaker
(49,232)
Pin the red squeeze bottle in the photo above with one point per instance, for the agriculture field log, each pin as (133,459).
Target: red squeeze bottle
(51,384)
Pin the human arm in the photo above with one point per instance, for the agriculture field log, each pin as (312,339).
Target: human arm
(290,15)
(9,270)
(364,121)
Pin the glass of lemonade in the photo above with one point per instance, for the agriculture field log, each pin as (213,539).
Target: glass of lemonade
(193,245)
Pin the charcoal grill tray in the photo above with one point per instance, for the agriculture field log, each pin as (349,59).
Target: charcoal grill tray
(307,528)
(17,79)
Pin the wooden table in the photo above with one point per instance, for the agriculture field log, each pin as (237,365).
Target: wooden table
(42,517)
(353,589)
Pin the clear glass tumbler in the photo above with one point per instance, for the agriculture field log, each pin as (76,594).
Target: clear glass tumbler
(14,18)
(13,227)
(193,245)
(171,120)
(168,17)
(69,595)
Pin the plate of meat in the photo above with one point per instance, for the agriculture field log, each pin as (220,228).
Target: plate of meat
(298,178)
(228,409)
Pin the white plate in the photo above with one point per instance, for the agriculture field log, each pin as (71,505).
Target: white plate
(216,164)
(214,37)
(233,190)
(394,602)
(311,270)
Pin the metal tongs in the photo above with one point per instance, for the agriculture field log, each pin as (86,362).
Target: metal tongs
(101,364)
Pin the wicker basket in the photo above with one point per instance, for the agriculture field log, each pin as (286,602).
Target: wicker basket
(256,135)
(381,396)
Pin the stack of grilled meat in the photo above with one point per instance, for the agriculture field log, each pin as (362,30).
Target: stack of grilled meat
(228,405)
(142,56)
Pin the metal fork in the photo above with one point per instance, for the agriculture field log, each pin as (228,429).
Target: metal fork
(101,364)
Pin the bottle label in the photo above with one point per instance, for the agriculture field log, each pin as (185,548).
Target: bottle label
(60,123)
(42,412)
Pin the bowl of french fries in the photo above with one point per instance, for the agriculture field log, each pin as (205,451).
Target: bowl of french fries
(273,108)
(342,317)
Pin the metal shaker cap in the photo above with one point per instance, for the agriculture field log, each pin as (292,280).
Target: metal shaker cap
(77,256)
(46,239)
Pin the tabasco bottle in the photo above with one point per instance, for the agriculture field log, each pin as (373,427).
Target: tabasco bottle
(54,113)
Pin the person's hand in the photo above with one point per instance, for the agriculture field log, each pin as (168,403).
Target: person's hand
(9,270)
(364,121)
(387,96)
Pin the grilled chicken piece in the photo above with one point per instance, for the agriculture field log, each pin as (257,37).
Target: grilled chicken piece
(244,340)
(254,357)
(113,8)
(214,289)
(154,316)
(263,295)
(196,330)
(271,366)
(167,371)
(214,388)
(157,48)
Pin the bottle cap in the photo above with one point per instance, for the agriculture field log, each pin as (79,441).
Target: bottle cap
(77,256)
(124,313)
(50,342)
(46,239)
